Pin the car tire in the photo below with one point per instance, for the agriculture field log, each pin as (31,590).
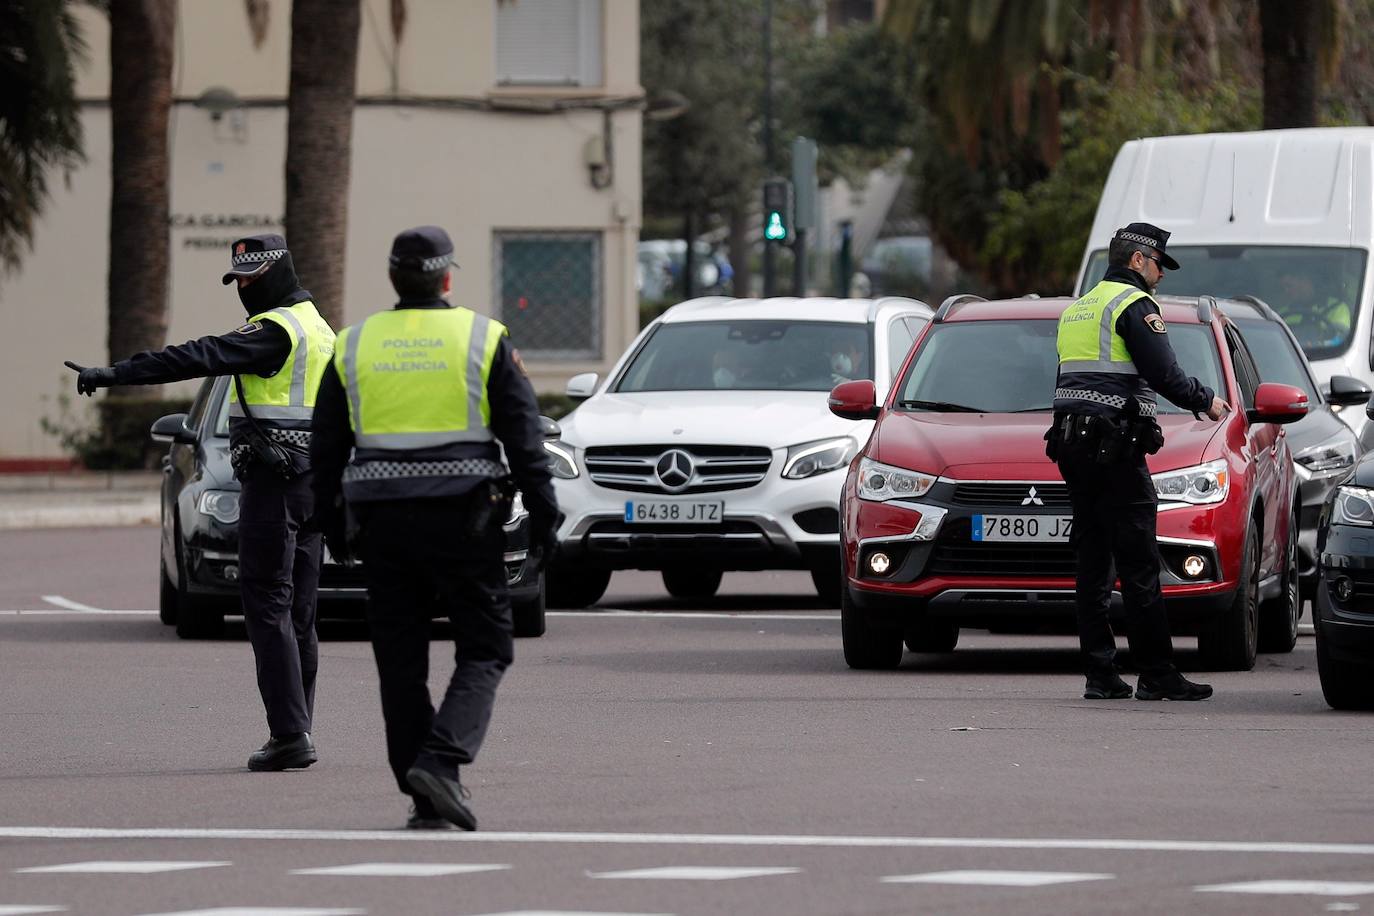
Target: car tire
(1278,622)
(167,598)
(529,616)
(575,589)
(828,580)
(932,635)
(691,583)
(1230,640)
(1345,685)
(866,645)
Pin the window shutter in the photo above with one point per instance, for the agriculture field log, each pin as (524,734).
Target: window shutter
(548,42)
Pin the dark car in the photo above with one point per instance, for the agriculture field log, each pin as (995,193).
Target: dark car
(1324,447)
(200,513)
(1344,604)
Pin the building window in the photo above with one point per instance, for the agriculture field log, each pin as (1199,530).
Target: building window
(548,43)
(550,292)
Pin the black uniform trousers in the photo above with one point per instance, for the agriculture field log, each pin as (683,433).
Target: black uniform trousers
(1114,516)
(279,576)
(420,561)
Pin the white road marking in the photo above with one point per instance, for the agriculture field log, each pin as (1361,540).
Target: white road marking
(991,878)
(569,913)
(693,873)
(262,911)
(1314,888)
(22,910)
(693,615)
(117,868)
(1341,907)
(59,601)
(398,870)
(684,839)
(50,612)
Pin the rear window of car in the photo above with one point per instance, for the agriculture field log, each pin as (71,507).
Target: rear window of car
(750,356)
(1011,366)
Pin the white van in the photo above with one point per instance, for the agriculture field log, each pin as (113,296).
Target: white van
(1285,215)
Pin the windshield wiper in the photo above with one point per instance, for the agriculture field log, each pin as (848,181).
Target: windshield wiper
(1042,407)
(942,406)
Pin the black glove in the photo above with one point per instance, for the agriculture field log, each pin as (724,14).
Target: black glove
(88,380)
(543,537)
(333,525)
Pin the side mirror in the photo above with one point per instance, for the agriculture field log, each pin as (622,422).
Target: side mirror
(856,400)
(172,428)
(1345,391)
(1275,403)
(549,428)
(581,387)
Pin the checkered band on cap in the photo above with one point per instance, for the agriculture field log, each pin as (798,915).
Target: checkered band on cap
(427,265)
(1136,237)
(251,257)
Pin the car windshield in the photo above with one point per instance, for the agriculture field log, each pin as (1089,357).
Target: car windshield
(1275,356)
(1011,366)
(750,356)
(1316,290)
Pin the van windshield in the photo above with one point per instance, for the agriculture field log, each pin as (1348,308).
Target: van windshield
(1316,290)
(1011,366)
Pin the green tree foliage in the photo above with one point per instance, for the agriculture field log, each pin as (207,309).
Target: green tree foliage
(40,127)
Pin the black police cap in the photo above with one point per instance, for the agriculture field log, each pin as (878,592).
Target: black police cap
(424,248)
(1148,234)
(253,255)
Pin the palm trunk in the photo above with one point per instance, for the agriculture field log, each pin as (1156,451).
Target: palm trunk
(319,136)
(743,283)
(141,43)
(1288,40)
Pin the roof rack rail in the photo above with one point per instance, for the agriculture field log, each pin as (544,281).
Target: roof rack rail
(948,305)
(1264,308)
(1205,305)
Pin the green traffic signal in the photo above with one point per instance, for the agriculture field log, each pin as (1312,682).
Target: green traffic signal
(774,230)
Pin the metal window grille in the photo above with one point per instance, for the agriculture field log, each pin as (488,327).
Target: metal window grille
(550,292)
(548,42)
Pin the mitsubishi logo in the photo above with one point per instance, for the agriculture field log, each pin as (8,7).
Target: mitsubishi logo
(674,470)
(1032,499)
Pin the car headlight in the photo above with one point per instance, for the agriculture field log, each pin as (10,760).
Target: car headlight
(1326,459)
(221,505)
(880,482)
(812,458)
(1198,485)
(1353,506)
(518,512)
(561,460)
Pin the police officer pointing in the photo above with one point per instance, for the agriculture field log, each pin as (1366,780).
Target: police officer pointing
(407,426)
(1114,354)
(277,360)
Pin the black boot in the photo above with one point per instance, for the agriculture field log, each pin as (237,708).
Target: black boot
(289,752)
(424,817)
(1106,685)
(444,792)
(1170,686)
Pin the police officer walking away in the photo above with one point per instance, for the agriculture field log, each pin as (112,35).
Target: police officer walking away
(277,360)
(420,395)
(1114,354)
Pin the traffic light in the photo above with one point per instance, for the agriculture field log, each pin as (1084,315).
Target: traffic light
(777,210)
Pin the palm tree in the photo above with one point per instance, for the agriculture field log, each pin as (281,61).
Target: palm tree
(40,130)
(141,52)
(319,133)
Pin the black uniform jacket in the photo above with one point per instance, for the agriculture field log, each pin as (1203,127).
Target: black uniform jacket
(514,421)
(1153,357)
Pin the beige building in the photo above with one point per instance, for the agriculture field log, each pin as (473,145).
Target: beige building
(515,124)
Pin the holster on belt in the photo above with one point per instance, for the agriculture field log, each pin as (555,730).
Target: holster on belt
(1106,440)
(490,505)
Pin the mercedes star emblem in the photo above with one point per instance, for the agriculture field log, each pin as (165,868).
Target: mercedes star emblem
(674,470)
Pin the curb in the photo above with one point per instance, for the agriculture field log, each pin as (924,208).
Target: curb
(146,511)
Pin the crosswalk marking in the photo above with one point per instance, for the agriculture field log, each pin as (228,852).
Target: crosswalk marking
(993,878)
(398,869)
(694,873)
(116,868)
(263,911)
(22,910)
(1315,888)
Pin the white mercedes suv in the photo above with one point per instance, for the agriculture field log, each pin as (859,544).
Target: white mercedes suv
(711,447)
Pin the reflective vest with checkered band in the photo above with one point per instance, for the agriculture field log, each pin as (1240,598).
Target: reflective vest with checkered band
(1087,340)
(417,378)
(286,398)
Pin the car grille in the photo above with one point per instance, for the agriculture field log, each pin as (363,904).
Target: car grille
(956,554)
(1010,495)
(714,467)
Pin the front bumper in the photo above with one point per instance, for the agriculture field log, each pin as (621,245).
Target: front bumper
(1344,599)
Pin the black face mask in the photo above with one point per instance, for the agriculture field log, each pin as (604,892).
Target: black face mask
(270,288)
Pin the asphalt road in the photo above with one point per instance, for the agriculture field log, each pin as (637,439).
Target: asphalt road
(649,757)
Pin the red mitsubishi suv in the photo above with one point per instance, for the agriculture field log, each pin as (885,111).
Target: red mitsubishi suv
(952,516)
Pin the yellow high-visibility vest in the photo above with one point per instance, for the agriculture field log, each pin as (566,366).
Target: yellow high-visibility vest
(287,397)
(1087,339)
